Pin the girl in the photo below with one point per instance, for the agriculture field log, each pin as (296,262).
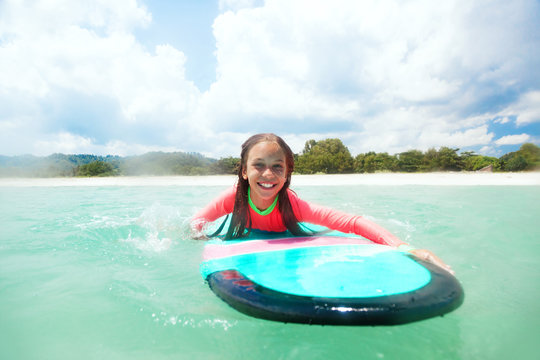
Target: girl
(262,200)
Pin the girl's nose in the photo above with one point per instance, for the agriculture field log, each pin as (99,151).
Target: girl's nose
(268,171)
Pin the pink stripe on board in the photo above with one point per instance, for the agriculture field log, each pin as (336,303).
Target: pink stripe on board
(218,251)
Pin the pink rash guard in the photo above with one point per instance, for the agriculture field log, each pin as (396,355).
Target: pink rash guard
(304,212)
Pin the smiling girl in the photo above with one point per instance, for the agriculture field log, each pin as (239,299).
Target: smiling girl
(262,200)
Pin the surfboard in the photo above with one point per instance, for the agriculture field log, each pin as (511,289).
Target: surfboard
(327,279)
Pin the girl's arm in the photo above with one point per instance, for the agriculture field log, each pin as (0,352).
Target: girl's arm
(337,220)
(340,221)
(218,207)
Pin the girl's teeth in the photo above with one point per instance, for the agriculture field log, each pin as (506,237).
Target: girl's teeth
(267,185)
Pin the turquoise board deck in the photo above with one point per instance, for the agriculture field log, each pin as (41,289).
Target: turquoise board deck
(328,280)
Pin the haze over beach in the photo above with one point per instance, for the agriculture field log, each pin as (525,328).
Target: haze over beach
(129,77)
(384,179)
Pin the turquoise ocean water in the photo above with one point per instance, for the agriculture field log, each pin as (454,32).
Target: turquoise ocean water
(111,273)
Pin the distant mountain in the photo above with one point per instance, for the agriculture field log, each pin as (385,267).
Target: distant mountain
(154,163)
(325,156)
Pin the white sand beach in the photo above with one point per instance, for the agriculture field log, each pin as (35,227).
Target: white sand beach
(384,179)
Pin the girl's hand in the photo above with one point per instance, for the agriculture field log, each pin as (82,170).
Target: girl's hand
(432,258)
(197,232)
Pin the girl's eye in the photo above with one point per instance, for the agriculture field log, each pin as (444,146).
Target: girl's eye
(276,168)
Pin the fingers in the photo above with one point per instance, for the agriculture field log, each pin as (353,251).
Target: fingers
(432,258)
(199,236)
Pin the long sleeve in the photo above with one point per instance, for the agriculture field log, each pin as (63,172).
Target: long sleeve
(218,207)
(340,221)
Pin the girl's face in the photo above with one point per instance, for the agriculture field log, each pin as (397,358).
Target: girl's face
(266,171)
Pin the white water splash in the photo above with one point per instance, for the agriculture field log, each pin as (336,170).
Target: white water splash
(188,321)
(161,218)
(158,225)
(151,242)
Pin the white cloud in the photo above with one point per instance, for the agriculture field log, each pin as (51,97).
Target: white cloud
(121,148)
(54,52)
(383,75)
(68,143)
(513,139)
(64,143)
(488,151)
(502,120)
(235,5)
(526,109)
(392,74)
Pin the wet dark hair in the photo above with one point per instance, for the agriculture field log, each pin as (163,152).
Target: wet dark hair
(241,219)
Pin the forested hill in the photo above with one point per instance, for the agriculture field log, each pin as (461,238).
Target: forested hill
(328,156)
(154,163)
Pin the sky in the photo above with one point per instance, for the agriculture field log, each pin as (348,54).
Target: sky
(126,77)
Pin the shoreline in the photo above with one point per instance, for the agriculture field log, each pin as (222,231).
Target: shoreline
(375,179)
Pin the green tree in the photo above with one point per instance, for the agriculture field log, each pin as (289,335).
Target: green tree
(477,162)
(516,163)
(372,162)
(228,165)
(96,168)
(531,153)
(449,160)
(328,156)
(308,146)
(526,158)
(430,161)
(362,162)
(444,159)
(410,161)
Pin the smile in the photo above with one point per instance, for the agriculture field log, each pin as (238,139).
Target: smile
(266,185)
